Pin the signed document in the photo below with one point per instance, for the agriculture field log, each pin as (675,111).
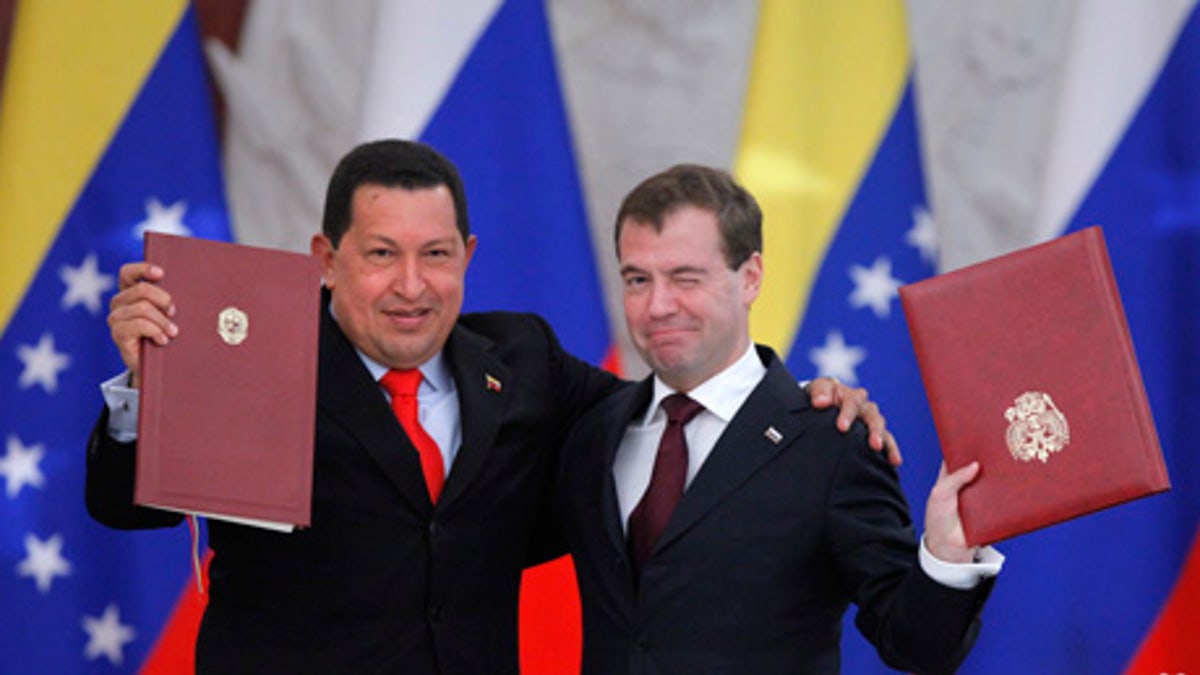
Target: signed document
(1029,368)
(227,409)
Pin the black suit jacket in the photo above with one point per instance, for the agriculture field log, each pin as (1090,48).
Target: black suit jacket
(777,533)
(383,581)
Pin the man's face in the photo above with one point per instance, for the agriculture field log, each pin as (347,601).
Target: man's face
(686,311)
(397,276)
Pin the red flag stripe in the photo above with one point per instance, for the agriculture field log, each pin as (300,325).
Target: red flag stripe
(1171,647)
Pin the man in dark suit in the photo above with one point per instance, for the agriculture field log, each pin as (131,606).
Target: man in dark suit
(731,537)
(399,572)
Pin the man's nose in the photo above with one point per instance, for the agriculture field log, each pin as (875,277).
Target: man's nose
(409,281)
(662,300)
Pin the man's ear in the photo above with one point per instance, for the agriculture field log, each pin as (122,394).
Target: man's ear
(469,250)
(323,250)
(751,272)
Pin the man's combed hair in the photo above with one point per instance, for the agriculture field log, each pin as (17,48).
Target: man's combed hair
(738,215)
(390,163)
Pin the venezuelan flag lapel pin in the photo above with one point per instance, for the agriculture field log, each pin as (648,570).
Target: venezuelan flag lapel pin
(492,383)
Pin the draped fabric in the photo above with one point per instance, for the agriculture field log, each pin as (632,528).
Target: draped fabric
(106,131)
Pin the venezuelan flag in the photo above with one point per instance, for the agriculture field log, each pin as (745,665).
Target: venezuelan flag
(830,148)
(106,131)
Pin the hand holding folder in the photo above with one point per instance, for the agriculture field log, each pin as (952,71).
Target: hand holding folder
(1030,369)
(228,407)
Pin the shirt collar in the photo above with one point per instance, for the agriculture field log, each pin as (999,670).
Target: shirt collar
(435,371)
(722,394)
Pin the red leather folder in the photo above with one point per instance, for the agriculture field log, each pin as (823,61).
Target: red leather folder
(1029,368)
(227,409)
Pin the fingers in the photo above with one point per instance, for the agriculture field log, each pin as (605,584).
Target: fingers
(953,483)
(134,272)
(855,403)
(943,526)
(823,391)
(888,444)
(140,310)
(948,485)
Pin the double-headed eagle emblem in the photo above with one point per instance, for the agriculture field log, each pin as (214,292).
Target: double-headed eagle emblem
(1036,428)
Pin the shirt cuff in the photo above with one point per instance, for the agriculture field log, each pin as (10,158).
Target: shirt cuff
(962,576)
(122,402)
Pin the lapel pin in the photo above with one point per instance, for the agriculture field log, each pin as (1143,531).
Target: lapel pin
(773,435)
(492,383)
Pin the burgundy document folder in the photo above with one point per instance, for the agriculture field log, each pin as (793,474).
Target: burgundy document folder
(1029,368)
(227,409)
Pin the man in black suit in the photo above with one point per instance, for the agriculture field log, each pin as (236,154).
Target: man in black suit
(737,548)
(395,574)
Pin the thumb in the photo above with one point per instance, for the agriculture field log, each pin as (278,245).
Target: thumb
(961,477)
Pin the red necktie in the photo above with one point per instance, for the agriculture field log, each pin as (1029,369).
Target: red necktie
(650,517)
(402,385)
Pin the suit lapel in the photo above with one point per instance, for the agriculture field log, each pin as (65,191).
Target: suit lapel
(348,394)
(626,405)
(764,426)
(484,385)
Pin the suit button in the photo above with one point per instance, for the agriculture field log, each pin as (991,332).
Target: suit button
(436,613)
(435,530)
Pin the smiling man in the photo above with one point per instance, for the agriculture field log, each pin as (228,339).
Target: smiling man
(720,523)
(397,292)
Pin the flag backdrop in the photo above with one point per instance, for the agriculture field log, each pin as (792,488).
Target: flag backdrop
(478,81)
(105,131)
(1083,597)
(829,146)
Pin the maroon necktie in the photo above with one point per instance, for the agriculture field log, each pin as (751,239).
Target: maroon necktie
(650,517)
(402,385)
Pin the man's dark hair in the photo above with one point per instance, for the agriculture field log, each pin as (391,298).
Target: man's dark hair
(739,218)
(390,163)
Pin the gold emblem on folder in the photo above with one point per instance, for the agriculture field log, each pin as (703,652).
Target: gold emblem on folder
(1036,427)
(233,325)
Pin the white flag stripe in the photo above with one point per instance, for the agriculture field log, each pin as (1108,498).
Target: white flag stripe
(419,48)
(1117,49)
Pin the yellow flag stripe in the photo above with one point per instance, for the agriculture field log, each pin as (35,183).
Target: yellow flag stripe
(74,69)
(826,80)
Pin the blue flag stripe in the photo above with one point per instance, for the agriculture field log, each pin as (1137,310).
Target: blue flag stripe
(504,125)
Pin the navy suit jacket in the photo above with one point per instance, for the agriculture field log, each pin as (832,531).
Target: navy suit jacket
(787,522)
(383,581)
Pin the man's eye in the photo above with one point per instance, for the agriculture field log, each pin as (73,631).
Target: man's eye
(635,281)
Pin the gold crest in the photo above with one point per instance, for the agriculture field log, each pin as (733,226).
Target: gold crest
(233,325)
(1036,427)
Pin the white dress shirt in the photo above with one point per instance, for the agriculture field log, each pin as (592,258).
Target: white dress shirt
(722,396)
